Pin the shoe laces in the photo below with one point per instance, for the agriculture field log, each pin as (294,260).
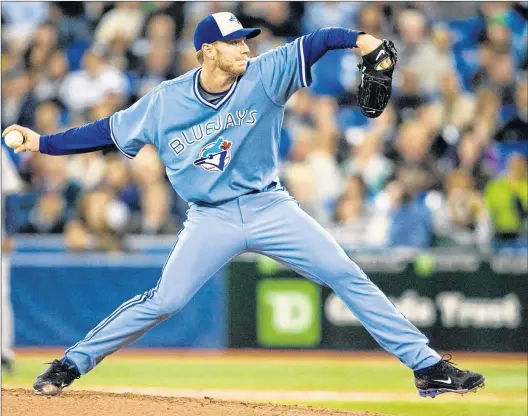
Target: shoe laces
(61,370)
(448,365)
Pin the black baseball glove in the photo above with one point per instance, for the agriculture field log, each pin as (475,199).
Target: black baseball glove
(375,88)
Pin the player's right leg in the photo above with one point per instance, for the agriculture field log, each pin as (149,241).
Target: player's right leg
(285,232)
(210,238)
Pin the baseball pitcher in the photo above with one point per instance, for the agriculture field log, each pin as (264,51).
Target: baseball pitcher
(217,131)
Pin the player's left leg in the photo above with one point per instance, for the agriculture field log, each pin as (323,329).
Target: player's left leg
(285,232)
(210,238)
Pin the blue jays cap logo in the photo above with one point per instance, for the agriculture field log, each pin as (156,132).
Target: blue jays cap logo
(215,156)
(222,26)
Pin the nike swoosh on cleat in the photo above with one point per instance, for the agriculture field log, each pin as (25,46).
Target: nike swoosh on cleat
(448,381)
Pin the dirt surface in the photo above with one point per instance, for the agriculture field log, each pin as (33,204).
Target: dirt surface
(22,402)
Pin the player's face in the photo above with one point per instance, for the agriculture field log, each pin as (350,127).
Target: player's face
(232,56)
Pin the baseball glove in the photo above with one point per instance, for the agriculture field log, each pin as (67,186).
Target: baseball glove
(375,88)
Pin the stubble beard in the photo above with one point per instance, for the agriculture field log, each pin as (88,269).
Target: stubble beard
(231,67)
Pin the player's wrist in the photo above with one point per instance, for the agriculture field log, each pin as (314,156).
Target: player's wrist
(367,43)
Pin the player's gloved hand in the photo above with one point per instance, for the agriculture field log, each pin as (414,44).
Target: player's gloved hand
(31,138)
(376,70)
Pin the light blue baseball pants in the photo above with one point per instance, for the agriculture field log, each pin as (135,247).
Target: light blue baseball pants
(270,223)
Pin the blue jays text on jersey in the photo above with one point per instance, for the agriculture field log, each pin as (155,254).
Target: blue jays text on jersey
(197,133)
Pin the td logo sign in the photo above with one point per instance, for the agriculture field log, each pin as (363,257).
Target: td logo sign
(288,313)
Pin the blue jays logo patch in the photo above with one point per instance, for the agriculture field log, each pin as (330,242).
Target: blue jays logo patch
(214,157)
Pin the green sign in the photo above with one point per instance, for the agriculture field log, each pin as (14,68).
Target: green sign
(288,313)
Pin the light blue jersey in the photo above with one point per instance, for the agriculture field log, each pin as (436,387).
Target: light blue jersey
(217,152)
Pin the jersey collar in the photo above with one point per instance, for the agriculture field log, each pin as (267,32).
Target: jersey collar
(197,92)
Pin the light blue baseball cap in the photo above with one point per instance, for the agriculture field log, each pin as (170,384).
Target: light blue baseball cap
(221,26)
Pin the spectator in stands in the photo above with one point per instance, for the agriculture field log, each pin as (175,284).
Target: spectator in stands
(454,108)
(409,98)
(23,17)
(516,129)
(351,205)
(87,169)
(418,50)
(47,117)
(356,224)
(324,14)
(48,216)
(313,175)
(83,89)
(461,216)
(487,110)
(507,201)
(45,42)
(496,29)
(323,115)
(299,177)
(157,68)
(147,168)
(160,33)
(117,180)
(172,9)
(124,20)
(116,52)
(103,219)
(371,20)
(51,77)
(71,20)
(502,79)
(57,179)
(416,170)
(161,30)
(410,223)
(385,126)
(471,153)
(77,237)
(276,16)
(368,162)
(18,100)
(155,216)
(299,110)
(486,55)
(51,175)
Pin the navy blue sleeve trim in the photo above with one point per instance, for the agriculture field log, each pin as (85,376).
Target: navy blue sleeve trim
(316,44)
(88,138)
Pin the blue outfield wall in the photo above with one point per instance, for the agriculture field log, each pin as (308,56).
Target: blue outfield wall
(58,298)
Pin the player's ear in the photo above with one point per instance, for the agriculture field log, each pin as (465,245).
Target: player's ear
(208,50)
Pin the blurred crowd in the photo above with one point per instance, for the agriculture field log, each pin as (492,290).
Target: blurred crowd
(445,165)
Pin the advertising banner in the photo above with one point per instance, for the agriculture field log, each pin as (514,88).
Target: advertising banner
(469,305)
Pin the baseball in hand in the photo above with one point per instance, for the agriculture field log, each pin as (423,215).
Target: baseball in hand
(13,139)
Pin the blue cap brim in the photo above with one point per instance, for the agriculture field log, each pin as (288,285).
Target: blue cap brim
(243,33)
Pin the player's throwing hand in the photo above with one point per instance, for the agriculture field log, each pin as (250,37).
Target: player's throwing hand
(31,139)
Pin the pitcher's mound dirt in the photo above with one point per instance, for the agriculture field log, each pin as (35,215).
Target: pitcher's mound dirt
(22,402)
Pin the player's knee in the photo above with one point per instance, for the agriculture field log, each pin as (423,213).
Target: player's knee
(347,271)
(169,305)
